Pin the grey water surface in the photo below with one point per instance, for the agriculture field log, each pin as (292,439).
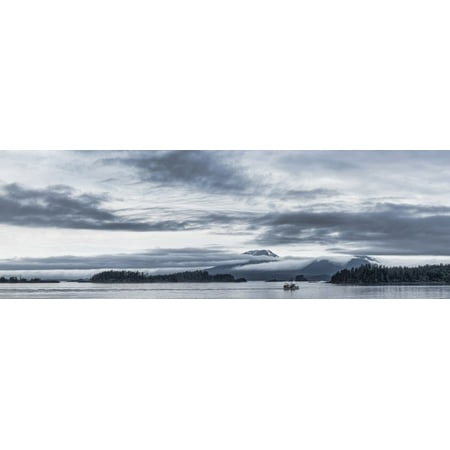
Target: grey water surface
(252,289)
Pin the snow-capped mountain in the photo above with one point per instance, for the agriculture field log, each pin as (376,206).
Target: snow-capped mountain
(261,253)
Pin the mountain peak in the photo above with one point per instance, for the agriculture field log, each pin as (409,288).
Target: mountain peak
(367,257)
(360,260)
(261,253)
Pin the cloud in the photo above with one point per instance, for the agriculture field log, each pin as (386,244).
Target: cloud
(236,174)
(212,171)
(384,229)
(152,259)
(59,207)
(306,194)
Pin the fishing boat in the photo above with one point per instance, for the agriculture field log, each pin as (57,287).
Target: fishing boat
(290,286)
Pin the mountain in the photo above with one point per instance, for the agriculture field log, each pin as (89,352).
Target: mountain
(261,253)
(257,257)
(320,270)
(358,261)
(265,265)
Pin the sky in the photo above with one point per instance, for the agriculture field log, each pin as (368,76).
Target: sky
(171,210)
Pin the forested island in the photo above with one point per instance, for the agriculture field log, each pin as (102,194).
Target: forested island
(24,280)
(301,278)
(197,276)
(282,280)
(375,274)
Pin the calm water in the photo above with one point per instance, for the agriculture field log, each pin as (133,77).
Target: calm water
(252,289)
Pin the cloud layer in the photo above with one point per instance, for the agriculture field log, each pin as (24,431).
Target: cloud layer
(150,259)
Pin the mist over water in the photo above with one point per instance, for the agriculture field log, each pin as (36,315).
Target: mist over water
(249,290)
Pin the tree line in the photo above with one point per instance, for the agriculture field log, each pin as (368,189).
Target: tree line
(375,274)
(24,280)
(128,276)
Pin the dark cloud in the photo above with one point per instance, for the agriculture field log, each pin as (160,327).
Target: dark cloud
(354,161)
(305,194)
(213,171)
(387,229)
(151,259)
(60,207)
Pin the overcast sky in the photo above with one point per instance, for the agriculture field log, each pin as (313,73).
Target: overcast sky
(172,209)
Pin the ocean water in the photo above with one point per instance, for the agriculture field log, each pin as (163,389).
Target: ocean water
(251,289)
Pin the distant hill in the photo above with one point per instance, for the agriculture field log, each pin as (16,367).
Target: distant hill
(256,257)
(263,266)
(260,265)
(321,269)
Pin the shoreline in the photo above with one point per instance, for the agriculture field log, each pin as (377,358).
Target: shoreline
(391,284)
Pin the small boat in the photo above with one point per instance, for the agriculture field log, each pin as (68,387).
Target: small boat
(290,286)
